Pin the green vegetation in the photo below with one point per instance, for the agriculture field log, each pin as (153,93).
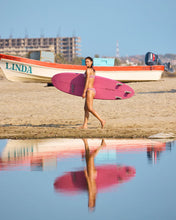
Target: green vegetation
(117,62)
(77,60)
(60,59)
(96,56)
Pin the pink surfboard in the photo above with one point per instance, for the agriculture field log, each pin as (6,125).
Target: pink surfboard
(107,89)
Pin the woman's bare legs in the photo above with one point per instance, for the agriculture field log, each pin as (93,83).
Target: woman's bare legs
(91,172)
(86,116)
(89,108)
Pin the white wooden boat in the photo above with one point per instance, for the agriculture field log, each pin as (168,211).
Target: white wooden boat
(22,151)
(28,70)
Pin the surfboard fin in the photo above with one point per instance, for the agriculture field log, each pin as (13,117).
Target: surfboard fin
(119,84)
(117,97)
(127,92)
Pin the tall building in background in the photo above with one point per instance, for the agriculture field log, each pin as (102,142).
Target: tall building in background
(68,47)
(117,50)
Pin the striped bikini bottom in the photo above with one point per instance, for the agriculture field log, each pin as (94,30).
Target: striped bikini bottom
(92,89)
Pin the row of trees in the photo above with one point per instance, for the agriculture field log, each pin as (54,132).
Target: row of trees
(61,59)
(78,60)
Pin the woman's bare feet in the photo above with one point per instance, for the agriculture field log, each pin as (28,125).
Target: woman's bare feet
(103,124)
(83,127)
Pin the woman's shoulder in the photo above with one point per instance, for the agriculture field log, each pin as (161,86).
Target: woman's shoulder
(90,71)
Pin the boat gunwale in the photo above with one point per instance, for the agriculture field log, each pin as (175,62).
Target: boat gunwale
(80,67)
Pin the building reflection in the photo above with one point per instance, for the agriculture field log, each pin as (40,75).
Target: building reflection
(43,154)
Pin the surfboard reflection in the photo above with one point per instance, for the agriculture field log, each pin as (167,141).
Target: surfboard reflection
(43,154)
(93,179)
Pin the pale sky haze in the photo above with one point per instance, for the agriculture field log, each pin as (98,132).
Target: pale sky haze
(139,26)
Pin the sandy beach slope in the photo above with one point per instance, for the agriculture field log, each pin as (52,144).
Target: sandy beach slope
(29,110)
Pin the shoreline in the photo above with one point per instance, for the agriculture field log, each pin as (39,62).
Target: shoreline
(31,132)
(29,110)
(61,131)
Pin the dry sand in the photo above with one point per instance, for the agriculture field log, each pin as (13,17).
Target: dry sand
(29,110)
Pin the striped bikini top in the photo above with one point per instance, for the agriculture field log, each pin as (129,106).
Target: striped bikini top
(91,76)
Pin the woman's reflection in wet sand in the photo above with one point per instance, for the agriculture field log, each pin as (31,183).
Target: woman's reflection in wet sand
(91,173)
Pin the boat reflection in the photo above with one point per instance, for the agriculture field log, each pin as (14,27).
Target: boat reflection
(93,178)
(153,153)
(42,154)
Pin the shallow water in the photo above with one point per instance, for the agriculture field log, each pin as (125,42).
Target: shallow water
(112,179)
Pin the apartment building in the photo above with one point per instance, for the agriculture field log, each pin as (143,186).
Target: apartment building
(68,47)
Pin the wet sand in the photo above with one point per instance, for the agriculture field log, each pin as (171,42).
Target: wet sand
(29,110)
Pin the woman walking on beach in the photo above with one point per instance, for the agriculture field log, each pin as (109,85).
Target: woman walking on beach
(89,93)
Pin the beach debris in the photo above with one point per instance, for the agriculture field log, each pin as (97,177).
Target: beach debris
(162,136)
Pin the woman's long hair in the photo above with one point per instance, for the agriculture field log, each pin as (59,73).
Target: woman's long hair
(90,58)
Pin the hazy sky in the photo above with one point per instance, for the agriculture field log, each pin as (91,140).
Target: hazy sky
(139,26)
